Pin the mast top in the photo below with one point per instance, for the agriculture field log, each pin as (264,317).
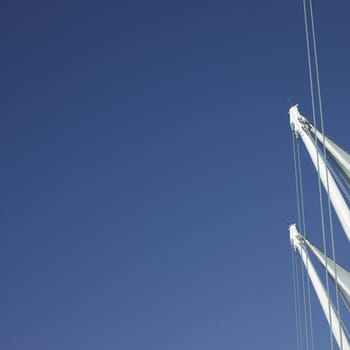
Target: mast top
(296,240)
(298,122)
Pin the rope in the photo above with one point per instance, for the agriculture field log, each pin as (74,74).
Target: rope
(314,122)
(318,167)
(339,182)
(325,157)
(305,312)
(296,278)
(337,179)
(307,262)
(296,180)
(295,301)
(299,303)
(303,222)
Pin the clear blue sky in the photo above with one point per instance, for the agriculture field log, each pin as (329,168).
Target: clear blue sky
(147,171)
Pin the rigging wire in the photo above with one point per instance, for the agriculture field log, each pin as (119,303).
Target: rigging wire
(304,305)
(339,182)
(325,157)
(318,166)
(303,223)
(296,180)
(307,262)
(300,201)
(345,328)
(296,278)
(346,193)
(295,300)
(330,169)
(299,303)
(337,179)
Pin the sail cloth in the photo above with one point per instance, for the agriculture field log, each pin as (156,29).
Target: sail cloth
(340,158)
(343,276)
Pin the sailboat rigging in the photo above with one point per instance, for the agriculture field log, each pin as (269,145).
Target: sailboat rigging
(322,151)
(304,130)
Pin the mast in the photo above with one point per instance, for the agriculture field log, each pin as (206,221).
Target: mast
(298,243)
(301,127)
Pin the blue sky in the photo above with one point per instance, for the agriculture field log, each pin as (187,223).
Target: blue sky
(147,170)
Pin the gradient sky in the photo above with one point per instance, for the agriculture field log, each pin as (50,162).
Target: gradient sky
(147,170)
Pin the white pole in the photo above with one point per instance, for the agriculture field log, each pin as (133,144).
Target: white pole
(327,307)
(299,124)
